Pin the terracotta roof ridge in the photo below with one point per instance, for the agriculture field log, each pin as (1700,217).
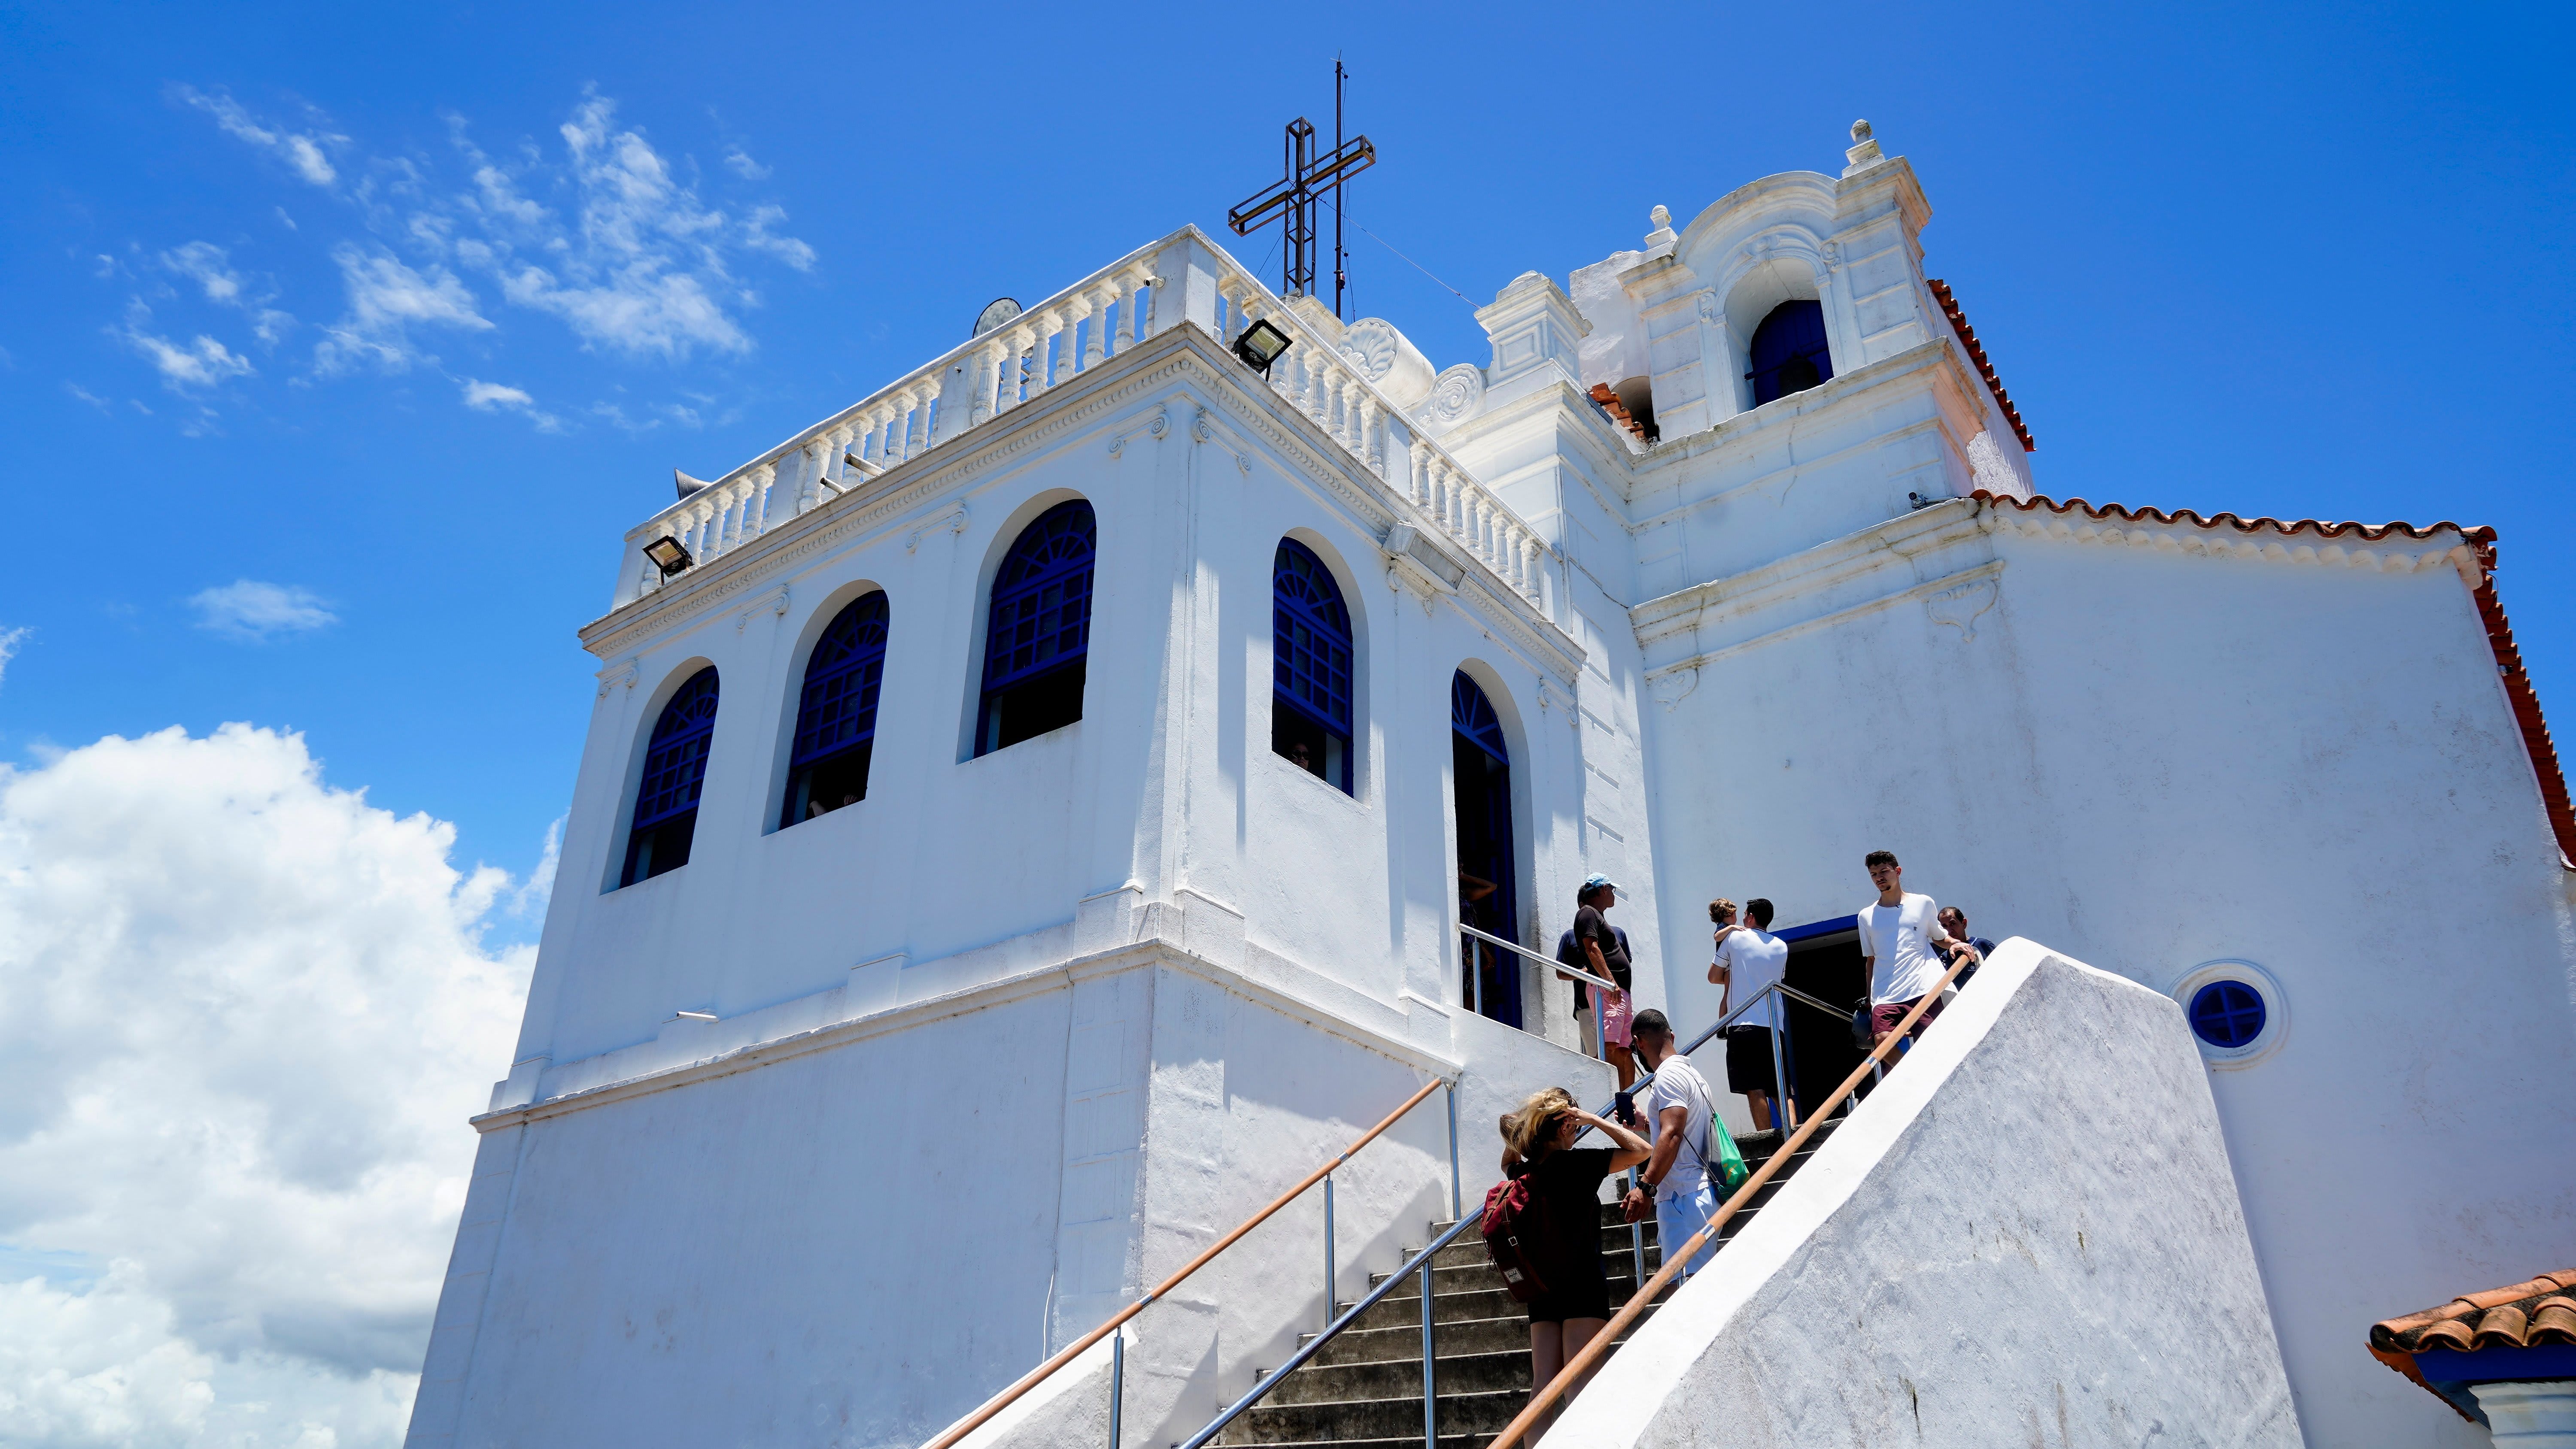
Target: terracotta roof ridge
(2373,532)
(1977,355)
(2550,1289)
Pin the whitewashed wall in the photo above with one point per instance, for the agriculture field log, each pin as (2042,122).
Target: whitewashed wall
(2031,1235)
(2161,760)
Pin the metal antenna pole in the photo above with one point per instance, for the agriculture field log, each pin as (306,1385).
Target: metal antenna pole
(1341,194)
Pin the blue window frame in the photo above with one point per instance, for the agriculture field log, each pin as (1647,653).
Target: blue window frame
(2227,1014)
(1310,665)
(1488,896)
(675,766)
(1040,630)
(836,715)
(1789,352)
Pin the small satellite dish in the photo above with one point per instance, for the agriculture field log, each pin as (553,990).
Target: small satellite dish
(995,313)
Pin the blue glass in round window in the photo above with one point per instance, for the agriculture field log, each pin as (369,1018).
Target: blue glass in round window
(2227,1014)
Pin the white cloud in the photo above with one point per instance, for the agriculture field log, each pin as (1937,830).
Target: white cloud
(256,612)
(387,299)
(10,639)
(494,397)
(742,165)
(85,395)
(248,1016)
(183,365)
(645,267)
(210,266)
(303,152)
(488,395)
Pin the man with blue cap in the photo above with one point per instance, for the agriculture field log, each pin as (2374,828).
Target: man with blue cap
(1605,954)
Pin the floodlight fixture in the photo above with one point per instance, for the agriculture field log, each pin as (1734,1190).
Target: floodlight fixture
(1260,345)
(668,554)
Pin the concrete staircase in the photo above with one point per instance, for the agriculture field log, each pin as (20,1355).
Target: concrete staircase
(1364,1390)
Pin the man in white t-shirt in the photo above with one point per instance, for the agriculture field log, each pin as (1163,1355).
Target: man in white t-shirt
(1683,1113)
(1902,939)
(1750,959)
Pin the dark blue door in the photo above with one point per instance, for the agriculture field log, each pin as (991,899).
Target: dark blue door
(1488,898)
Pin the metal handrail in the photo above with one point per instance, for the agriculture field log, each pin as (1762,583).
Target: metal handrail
(1419,1262)
(1574,971)
(1603,1341)
(1116,1321)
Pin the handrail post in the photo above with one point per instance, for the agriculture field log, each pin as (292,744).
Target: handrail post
(1637,1233)
(1117,1380)
(1456,1210)
(1329,1294)
(1430,1400)
(1783,1115)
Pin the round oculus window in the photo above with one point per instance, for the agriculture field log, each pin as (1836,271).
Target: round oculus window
(2227,1014)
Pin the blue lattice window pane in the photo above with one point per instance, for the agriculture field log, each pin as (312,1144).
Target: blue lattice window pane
(1041,618)
(1310,638)
(1472,715)
(1789,352)
(838,710)
(675,762)
(2227,1014)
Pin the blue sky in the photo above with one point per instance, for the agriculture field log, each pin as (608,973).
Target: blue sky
(340,345)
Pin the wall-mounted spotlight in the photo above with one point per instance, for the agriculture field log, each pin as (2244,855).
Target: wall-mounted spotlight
(1260,345)
(668,555)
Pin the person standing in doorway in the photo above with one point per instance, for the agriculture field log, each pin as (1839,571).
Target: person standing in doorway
(1904,945)
(1605,954)
(1750,960)
(1675,1178)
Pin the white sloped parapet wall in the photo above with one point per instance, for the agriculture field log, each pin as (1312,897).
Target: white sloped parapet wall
(2030,1235)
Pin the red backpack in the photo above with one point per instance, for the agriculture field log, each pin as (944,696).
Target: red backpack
(1519,1237)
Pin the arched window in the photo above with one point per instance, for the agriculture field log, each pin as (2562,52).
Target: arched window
(1040,631)
(836,716)
(1481,778)
(1789,353)
(1310,665)
(675,764)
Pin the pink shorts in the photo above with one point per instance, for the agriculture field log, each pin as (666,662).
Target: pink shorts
(1617,1012)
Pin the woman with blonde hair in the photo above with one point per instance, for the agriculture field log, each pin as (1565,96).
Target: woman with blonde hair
(1538,1144)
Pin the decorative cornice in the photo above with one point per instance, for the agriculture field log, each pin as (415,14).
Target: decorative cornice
(1146,954)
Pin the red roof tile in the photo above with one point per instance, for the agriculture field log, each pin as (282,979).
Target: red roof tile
(2524,1315)
(2536,743)
(1977,355)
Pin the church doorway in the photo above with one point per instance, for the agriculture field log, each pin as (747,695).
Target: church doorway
(1825,963)
(1488,898)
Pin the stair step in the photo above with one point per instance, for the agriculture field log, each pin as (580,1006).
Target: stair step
(1388,1418)
(1364,1389)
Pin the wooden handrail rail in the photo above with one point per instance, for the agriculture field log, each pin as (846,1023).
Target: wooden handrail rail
(1608,1337)
(1072,1351)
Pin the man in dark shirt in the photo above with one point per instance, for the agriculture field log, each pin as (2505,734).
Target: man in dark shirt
(1605,953)
(1955,921)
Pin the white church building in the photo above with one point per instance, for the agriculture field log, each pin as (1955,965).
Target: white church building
(1213,702)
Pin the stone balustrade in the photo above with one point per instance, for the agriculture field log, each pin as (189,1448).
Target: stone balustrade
(1321,382)
(1046,346)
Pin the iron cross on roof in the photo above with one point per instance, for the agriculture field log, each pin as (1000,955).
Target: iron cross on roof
(1293,197)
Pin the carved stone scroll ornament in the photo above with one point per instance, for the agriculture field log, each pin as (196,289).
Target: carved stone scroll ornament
(1370,344)
(1960,607)
(1154,426)
(954,521)
(1455,396)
